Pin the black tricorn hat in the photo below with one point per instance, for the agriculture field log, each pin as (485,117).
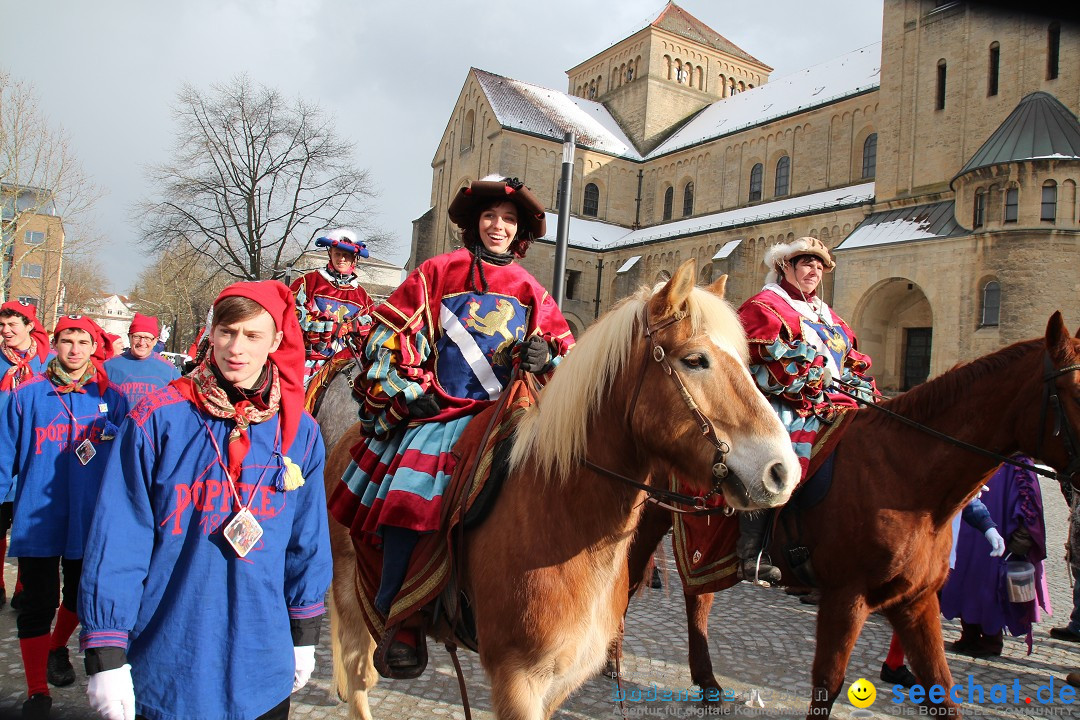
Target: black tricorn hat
(463,208)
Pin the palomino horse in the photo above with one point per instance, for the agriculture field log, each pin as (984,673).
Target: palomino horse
(880,539)
(659,380)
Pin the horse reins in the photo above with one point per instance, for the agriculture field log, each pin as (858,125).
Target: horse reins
(1049,399)
(720,470)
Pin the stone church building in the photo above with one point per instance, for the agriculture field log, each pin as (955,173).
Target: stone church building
(940,165)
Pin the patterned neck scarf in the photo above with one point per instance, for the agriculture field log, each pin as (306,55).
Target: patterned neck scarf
(20,365)
(63,380)
(211,398)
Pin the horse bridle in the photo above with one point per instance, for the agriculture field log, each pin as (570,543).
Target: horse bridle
(720,471)
(1050,400)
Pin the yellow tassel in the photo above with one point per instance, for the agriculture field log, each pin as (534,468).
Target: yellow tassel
(293,477)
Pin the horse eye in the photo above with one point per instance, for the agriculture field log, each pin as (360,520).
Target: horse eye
(697,361)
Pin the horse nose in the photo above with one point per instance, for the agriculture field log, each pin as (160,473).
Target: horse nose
(776,478)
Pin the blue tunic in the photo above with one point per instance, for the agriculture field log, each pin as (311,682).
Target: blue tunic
(207,633)
(138,378)
(55,493)
(38,366)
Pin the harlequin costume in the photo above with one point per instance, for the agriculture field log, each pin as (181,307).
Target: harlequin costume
(330,304)
(798,348)
(137,377)
(206,632)
(58,432)
(448,335)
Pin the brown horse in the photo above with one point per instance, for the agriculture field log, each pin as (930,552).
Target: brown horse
(659,380)
(880,539)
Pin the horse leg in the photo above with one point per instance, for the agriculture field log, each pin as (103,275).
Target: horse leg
(351,643)
(840,620)
(697,625)
(919,628)
(513,696)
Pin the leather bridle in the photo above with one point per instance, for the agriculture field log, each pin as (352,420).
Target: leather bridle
(720,471)
(1051,402)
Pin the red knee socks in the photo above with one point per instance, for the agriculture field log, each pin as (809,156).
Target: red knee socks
(895,658)
(66,622)
(35,657)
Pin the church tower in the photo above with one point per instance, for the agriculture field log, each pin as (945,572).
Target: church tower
(654,80)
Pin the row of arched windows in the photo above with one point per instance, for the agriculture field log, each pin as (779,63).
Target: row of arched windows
(686,73)
(687,203)
(1011,204)
(1053,52)
(624,73)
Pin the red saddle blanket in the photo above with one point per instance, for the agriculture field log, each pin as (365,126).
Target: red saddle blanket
(431,566)
(704,545)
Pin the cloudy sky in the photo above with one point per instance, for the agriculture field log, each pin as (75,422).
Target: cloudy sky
(388,72)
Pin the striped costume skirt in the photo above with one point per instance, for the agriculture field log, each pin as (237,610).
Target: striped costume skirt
(398,480)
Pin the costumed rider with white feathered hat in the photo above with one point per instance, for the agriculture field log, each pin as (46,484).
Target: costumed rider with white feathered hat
(799,347)
(330,302)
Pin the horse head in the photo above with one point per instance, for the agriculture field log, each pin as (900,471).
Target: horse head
(697,397)
(1059,423)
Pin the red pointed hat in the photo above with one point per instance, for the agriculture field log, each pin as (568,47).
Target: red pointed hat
(144,324)
(29,312)
(277,300)
(104,346)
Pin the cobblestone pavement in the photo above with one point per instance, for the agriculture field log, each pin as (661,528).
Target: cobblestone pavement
(762,640)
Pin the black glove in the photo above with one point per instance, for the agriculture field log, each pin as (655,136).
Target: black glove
(1020,542)
(535,354)
(424,406)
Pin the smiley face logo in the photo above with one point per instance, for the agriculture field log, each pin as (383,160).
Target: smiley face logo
(862,693)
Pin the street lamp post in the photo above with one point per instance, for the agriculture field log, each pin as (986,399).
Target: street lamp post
(562,238)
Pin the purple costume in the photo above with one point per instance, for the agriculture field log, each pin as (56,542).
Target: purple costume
(976,590)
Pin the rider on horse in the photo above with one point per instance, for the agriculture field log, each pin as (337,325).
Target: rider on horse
(441,349)
(330,302)
(799,346)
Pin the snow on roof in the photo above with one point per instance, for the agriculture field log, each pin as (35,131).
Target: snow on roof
(844,76)
(630,262)
(728,248)
(919,222)
(595,235)
(550,113)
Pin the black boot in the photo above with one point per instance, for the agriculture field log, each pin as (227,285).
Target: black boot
(655,581)
(60,671)
(37,707)
(754,563)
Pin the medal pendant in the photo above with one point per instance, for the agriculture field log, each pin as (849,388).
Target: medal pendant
(243,531)
(85,451)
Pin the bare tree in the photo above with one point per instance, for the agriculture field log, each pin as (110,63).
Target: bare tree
(252,178)
(41,183)
(178,290)
(83,279)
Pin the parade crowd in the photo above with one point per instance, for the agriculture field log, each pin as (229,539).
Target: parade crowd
(181,522)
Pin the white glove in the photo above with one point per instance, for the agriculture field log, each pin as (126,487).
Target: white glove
(305,664)
(997,543)
(111,694)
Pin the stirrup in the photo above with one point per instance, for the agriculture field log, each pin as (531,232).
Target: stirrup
(389,654)
(759,570)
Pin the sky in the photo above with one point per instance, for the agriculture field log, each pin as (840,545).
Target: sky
(107,73)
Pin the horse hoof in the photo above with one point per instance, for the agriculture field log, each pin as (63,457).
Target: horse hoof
(610,671)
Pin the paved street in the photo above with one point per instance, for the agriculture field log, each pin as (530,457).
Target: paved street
(762,640)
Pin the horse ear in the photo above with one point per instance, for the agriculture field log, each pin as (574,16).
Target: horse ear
(1057,337)
(673,295)
(718,286)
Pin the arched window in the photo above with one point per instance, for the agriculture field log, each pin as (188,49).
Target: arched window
(689,70)
(1053,48)
(669,201)
(723,86)
(1012,204)
(783,176)
(995,67)
(940,84)
(755,182)
(700,78)
(467,131)
(869,156)
(991,304)
(591,205)
(1049,201)
(979,217)
(688,200)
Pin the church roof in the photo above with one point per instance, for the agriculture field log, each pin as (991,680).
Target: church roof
(676,20)
(1039,127)
(596,235)
(850,74)
(918,222)
(549,113)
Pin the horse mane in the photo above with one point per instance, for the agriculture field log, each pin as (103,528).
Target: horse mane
(944,390)
(553,434)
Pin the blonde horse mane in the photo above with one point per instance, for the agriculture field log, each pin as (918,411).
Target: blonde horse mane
(553,436)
